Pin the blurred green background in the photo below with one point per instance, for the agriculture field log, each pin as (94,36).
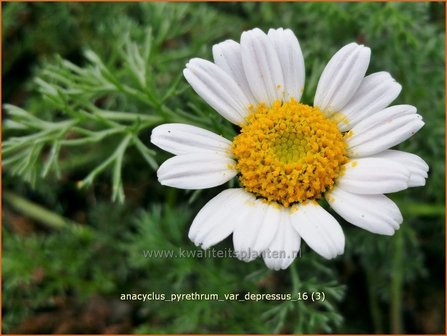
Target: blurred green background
(84,84)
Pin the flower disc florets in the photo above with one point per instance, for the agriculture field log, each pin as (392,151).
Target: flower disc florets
(289,153)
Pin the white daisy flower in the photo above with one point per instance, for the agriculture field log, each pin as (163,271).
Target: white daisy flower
(288,155)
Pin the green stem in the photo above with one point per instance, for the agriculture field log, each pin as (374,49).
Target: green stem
(99,169)
(176,116)
(295,278)
(40,214)
(297,287)
(128,116)
(422,209)
(98,136)
(147,154)
(171,197)
(374,308)
(396,286)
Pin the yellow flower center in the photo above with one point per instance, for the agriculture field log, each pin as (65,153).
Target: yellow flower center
(289,153)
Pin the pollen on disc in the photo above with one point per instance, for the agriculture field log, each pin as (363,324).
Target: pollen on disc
(289,153)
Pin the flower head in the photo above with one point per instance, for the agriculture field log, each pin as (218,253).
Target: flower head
(289,155)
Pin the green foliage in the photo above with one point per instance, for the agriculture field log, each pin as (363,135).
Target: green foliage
(97,107)
(86,84)
(163,229)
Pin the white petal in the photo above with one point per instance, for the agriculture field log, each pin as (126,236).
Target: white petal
(383,130)
(285,245)
(382,117)
(418,168)
(258,231)
(196,171)
(227,56)
(218,89)
(262,66)
(375,93)
(292,62)
(218,218)
(370,176)
(183,139)
(341,78)
(374,213)
(319,230)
